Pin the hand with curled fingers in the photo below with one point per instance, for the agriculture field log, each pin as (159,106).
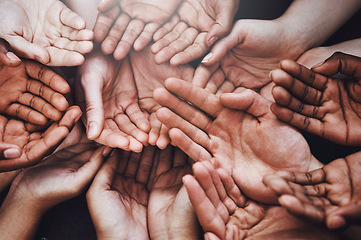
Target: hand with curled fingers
(123,24)
(148,76)
(196,27)
(118,196)
(237,132)
(318,102)
(34,142)
(329,195)
(36,189)
(47,31)
(109,96)
(170,213)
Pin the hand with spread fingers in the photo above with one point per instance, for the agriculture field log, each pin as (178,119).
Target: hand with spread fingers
(47,31)
(36,189)
(241,136)
(33,142)
(324,105)
(113,115)
(196,27)
(330,195)
(148,76)
(225,213)
(123,24)
(118,196)
(170,213)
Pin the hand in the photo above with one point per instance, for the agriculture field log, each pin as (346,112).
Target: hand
(148,76)
(125,23)
(32,92)
(34,143)
(170,213)
(325,106)
(113,116)
(35,190)
(251,51)
(118,196)
(61,39)
(225,213)
(226,135)
(326,195)
(199,24)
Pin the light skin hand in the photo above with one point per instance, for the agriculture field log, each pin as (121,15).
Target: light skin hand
(329,195)
(61,39)
(148,76)
(70,170)
(118,196)
(225,135)
(113,115)
(170,213)
(325,106)
(34,143)
(198,26)
(123,24)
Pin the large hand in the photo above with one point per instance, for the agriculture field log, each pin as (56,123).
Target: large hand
(35,143)
(200,24)
(118,196)
(47,31)
(32,92)
(124,23)
(252,50)
(148,76)
(225,213)
(170,213)
(113,116)
(329,195)
(249,141)
(325,106)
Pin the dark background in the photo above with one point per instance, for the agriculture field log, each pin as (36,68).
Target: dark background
(71,220)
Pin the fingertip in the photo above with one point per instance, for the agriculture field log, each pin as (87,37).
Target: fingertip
(93,130)
(335,222)
(11,153)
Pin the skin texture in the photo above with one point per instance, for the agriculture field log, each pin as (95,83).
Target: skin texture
(47,31)
(330,195)
(196,27)
(34,143)
(321,104)
(224,134)
(123,24)
(225,213)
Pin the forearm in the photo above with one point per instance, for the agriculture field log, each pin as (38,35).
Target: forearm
(312,22)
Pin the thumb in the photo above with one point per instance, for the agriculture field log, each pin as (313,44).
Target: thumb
(105,5)
(9,151)
(7,57)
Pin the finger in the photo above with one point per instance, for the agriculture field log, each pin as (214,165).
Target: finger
(72,34)
(133,164)
(146,36)
(180,159)
(155,126)
(166,28)
(216,80)
(208,216)
(70,18)
(343,216)
(165,161)
(246,100)
(105,175)
(62,57)
(226,87)
(106,5)
(138,118)
(191,53)
(132,32)
(186,39)
(27,114)
(170,37)
(203,74)
(116,33)
(145,165)
(105,21)
(7,56)
(82,47)
(126,126)
(232,190)
(9,151)
(163,139)
(111,136)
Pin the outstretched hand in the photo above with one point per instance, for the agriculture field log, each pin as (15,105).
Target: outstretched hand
(330,195)
(47,31)
(324,105)
(225,134)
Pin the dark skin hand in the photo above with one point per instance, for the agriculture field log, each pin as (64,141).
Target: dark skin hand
(324,105)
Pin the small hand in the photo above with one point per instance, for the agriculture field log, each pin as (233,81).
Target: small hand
(47,31)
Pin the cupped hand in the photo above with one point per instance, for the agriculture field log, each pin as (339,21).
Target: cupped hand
(47,31)
(241,136)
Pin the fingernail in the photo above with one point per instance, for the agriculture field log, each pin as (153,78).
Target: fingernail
(107,151)
(11,153)
(39,59)
(317,65)
(270,74)
(212,40)
(92,130)
(12,57)
(207,57)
